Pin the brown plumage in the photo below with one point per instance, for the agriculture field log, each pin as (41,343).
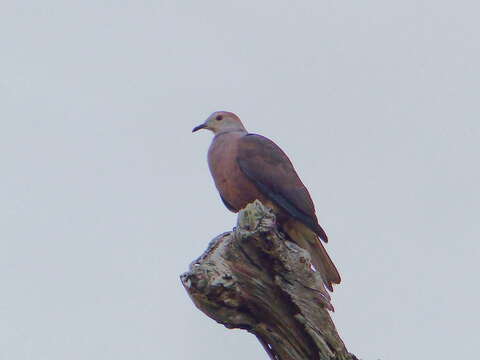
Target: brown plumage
(246,167)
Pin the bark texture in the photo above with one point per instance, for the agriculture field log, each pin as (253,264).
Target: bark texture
(254,279)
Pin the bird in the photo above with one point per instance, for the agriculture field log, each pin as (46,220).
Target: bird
(246,167)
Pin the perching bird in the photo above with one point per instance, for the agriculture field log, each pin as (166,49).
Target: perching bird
(246,167)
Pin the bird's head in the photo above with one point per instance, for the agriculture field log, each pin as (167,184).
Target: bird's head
(220,122)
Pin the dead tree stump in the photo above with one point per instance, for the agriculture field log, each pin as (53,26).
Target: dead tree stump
(252,278)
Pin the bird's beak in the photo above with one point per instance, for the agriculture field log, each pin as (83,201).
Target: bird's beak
(199,127)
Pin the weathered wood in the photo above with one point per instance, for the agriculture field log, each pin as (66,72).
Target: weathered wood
(254,279)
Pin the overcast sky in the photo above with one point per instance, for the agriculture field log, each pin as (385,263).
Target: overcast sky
(105,194)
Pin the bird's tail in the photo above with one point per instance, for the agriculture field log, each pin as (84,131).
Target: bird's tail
(308,240)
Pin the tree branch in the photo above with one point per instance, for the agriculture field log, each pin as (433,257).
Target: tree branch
(254,279)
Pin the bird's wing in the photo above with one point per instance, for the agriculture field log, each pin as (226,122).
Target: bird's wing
(269,168)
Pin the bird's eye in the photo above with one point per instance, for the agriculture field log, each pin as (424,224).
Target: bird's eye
(219,117)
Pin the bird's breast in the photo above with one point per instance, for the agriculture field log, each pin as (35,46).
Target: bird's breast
(232,184)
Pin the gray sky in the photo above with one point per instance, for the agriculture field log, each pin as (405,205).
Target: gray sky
(106,195)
